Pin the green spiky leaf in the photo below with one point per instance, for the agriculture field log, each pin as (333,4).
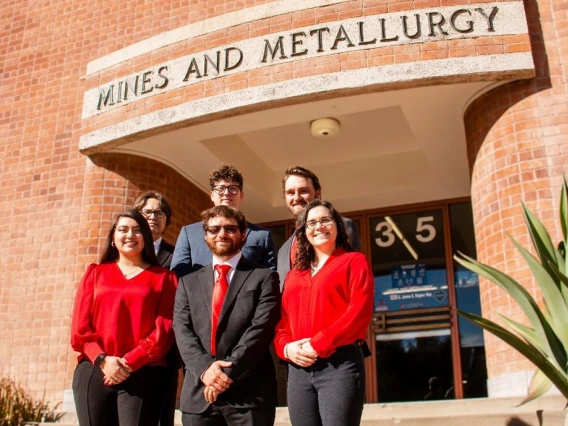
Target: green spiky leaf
(552,296)
(539,385)
(534,314)
(556,376)
(541,239)
(564,210)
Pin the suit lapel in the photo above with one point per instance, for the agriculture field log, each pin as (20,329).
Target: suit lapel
(206,282)
(237,281)
(162,256)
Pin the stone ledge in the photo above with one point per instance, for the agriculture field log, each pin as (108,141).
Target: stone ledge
(547,411)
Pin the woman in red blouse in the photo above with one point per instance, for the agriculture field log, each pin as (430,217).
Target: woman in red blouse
(121,328)
(326,308)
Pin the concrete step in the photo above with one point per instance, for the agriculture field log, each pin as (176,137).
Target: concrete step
(546,411)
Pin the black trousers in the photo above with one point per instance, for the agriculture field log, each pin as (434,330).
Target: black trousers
(331,392)
(225,415)
(137,401)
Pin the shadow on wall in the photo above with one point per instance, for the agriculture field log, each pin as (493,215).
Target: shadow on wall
(515,421)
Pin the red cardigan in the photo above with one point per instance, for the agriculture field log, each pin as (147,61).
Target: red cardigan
(130,318)
(333,308)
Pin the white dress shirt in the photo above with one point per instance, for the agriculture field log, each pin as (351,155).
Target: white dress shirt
(232,262)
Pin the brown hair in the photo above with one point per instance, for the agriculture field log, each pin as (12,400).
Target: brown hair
(164,205)
(303,172)
(227,172)
(226,212)
(110,252)
(305,253)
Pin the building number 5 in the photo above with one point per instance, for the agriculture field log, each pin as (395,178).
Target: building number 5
(425,232)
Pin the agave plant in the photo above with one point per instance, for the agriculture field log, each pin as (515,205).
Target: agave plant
(544,341)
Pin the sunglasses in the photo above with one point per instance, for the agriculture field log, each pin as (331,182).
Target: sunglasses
(229,229)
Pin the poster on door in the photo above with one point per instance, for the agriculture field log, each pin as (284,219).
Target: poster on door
(409,275)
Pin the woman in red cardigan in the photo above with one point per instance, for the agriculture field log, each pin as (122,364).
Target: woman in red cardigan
(327,305)
(121,327)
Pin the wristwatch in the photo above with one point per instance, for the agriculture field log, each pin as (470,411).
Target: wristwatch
(99,359)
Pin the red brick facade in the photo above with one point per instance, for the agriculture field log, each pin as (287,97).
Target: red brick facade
(518,151)
(58,203)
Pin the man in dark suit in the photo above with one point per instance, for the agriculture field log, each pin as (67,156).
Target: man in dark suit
(158,212)
(224,320)
(191,252)
(301,186)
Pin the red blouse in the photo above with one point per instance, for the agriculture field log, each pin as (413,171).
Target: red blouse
(333,308)
(129,318)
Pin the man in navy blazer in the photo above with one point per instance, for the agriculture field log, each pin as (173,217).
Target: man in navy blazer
(191,252)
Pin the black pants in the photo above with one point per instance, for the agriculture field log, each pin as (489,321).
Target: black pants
(329,393)
(135,402)
(225,415)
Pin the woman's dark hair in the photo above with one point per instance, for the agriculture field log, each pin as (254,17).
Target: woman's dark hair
(110,252)
(305,253)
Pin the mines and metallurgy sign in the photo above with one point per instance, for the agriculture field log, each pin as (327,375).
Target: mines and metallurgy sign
(368,32)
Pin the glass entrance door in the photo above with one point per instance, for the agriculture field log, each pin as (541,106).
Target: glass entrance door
(414,366)
(412,323)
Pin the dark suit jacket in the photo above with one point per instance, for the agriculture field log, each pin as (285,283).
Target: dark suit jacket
(191,251)
(247,321)
(165,254)
(284,252)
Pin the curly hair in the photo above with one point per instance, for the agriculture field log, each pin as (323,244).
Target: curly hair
(305,253)
(228,173)
(164,205)
(110,252)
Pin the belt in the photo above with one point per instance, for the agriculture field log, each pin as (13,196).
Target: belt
(359,345)
(352,347)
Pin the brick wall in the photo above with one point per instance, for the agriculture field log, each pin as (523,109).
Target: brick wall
(518,151)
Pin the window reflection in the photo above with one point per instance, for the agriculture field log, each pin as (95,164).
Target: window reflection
(407,251)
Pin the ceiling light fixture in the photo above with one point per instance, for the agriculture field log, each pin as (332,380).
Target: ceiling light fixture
(324,127)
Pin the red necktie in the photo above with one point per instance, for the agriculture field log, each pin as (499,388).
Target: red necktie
(293,251)
(219,292)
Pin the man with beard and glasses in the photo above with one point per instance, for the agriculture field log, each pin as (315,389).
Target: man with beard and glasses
(300,187)
(191,252)
(224,320)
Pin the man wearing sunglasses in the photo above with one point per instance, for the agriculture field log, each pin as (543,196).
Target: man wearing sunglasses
(191,251)
(224,319)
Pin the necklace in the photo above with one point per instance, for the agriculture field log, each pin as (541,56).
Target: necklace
(131,273)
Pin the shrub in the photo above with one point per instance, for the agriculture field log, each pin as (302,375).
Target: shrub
(18,406)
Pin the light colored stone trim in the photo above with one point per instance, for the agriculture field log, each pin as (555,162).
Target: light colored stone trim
(513,385)
(407,72)
(510,20)
(206,26)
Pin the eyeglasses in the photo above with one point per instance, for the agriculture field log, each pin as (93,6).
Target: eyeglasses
(324,221)
(233,189)
(156,213)
(229,229)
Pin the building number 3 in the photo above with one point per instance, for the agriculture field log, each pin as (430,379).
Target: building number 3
(425,232)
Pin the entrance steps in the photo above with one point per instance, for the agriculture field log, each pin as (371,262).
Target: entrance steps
(546,411)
